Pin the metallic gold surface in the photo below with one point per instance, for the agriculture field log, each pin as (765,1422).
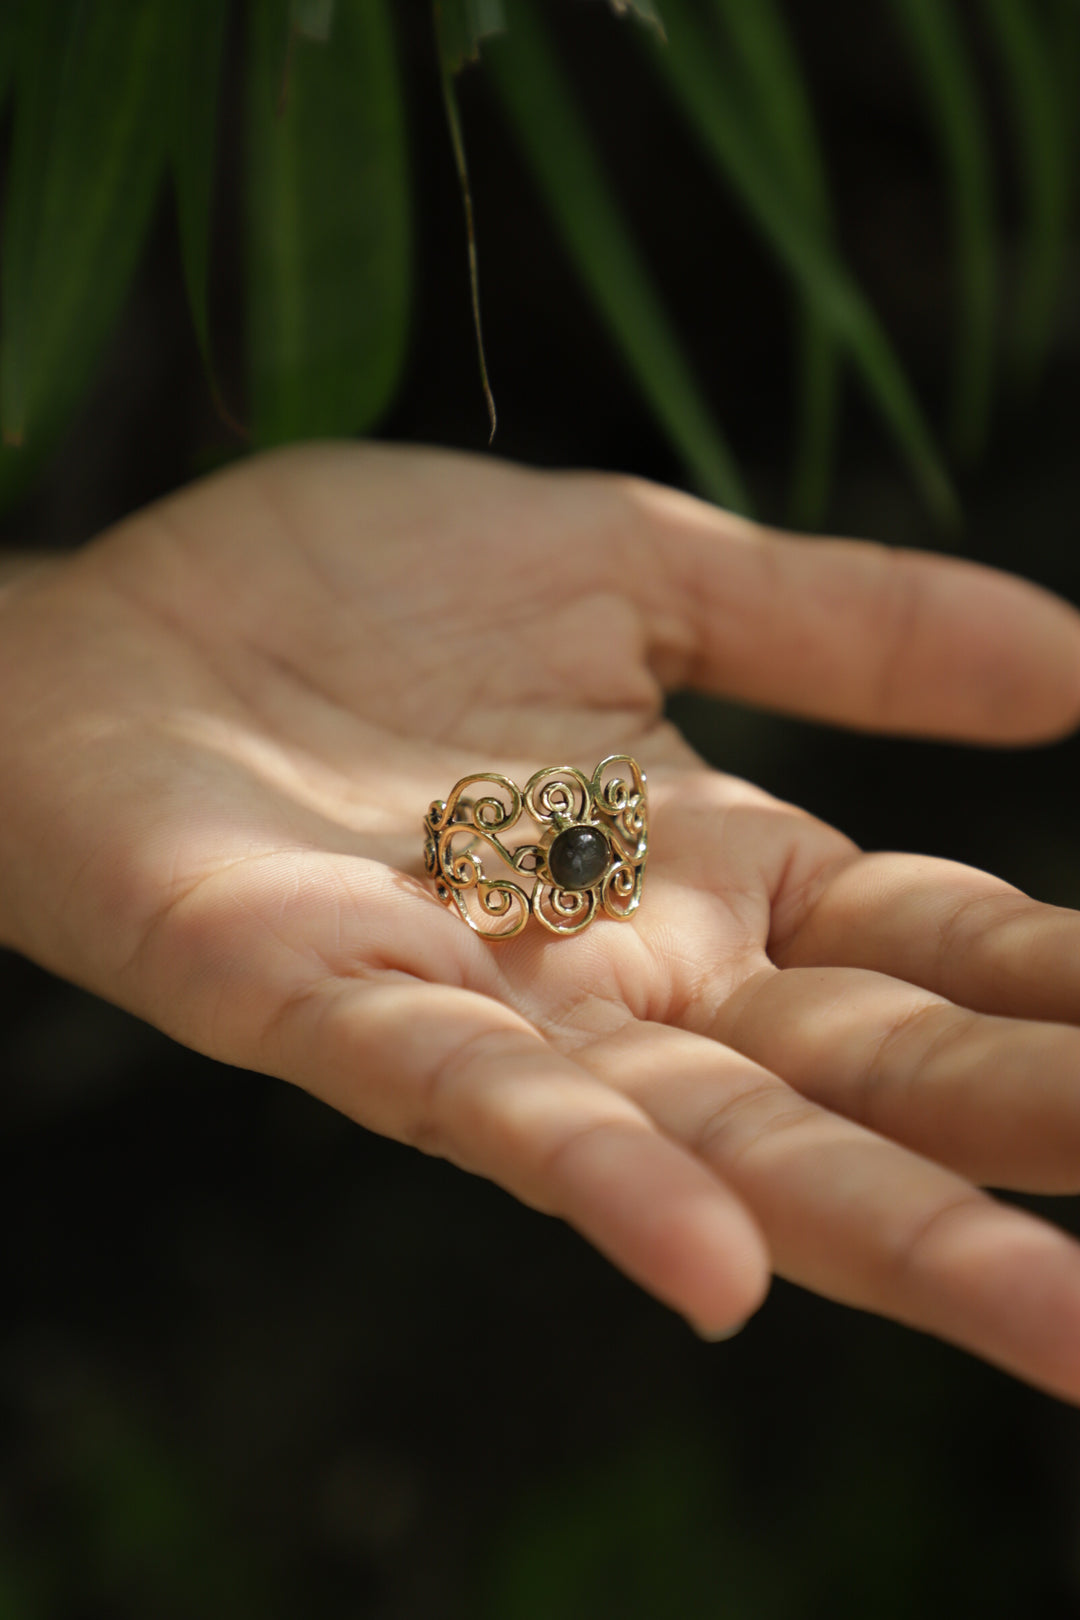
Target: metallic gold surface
(497,883)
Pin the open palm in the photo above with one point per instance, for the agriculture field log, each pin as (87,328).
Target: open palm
(222,724)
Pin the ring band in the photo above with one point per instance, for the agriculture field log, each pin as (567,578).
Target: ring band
(587,856)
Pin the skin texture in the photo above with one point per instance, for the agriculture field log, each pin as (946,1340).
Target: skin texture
(222,723)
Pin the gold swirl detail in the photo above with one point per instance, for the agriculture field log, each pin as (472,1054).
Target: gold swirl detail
(620,892)
(461,878)
(468,827)
(488,812)
(557,793)
(563,911)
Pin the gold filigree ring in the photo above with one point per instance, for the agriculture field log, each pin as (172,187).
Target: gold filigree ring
(586,854)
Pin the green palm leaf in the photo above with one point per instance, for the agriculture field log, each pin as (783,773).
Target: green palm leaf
(563,160)
(460,28)
(703,89)
(10,28)
(946,73)
(644,10)
(1064,47)
(1046,162)
(328,226)
(87,154)
(198,46)
(773,96)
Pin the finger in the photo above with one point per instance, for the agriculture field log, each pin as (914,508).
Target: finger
(364,990)
(954,930)
(996,1099)
(456,1075)
(859,634)
(860,1219)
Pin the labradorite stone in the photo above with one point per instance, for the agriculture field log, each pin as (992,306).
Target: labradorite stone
(578,858)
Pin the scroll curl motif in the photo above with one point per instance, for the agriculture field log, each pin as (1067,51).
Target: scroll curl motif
(623,803)
(477,865)
(563,911)
(460,879)
(489,811)
(557,793)
(621,890)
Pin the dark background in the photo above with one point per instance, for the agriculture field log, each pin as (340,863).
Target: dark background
(255,1361)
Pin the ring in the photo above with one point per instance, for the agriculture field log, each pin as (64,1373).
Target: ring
(587,855)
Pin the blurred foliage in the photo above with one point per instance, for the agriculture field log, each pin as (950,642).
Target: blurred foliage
(557,147)
(460,27)
(108,99)
(281,1366)
(655,1531)
(952,94)
(1046,164)
(371,1406)
(197,47)
(328,240)
(141,1531)
(666,1526)
(87,158)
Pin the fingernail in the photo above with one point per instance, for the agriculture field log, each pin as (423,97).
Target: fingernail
(717,1335)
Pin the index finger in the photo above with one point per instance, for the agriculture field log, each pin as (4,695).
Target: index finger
(852,632)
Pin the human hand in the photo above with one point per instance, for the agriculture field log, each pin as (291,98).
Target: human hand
(222,724)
